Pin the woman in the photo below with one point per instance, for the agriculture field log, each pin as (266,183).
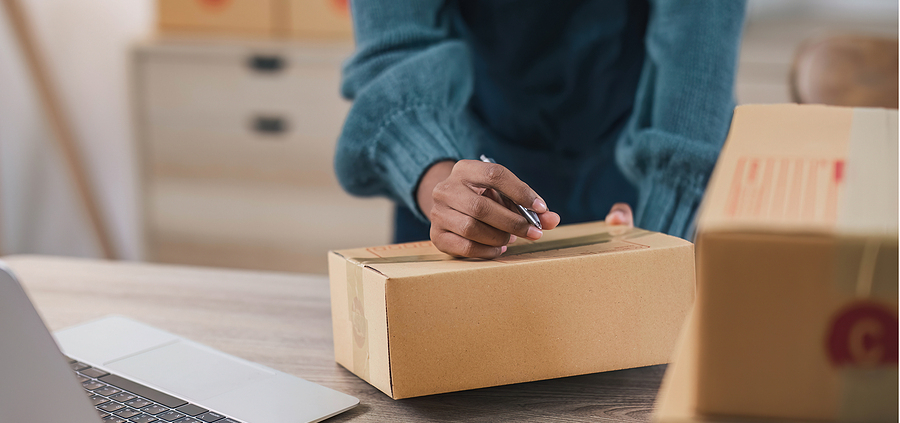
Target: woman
(596,104)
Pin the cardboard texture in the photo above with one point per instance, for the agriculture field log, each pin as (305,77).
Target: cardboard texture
(247,17)
(311,19)
(321,19)
(585,298)
(796,313)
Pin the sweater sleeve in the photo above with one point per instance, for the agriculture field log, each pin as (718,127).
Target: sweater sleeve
(682,110)
(410,81)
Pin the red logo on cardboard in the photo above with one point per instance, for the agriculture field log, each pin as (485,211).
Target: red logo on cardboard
(215,4)
(863,334)
(341,6)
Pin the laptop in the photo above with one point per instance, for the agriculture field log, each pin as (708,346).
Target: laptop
(118,370)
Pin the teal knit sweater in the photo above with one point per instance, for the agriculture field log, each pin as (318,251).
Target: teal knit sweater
(590,102)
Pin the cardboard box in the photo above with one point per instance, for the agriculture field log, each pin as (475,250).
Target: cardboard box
(796,313)
(257,17)
(310,19)
(585,298)
(321,19)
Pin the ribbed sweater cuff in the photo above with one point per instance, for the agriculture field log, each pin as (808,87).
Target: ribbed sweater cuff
(408,143)
(668,206)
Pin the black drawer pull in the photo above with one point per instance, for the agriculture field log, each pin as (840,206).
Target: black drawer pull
(269,125)
(262,63)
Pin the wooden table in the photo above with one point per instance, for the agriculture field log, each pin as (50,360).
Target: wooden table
(284,321)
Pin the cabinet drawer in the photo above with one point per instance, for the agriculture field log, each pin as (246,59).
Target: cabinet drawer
(221,115)
(259,80)
(288,158)
(252,220)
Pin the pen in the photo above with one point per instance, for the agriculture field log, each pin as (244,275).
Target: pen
(528,214)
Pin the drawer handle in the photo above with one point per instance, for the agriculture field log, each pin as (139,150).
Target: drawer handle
(269,125)
(262,63)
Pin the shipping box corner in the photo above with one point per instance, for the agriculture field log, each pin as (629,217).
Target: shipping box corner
(796,312)
(584,298)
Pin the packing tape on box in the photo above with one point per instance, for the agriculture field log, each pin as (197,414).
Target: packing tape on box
(514,250)
(355,291)
(360,325)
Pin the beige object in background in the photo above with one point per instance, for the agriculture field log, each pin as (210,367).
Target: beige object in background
(321,19)
(854,71)
(584,298)
(314,19)
(260,17)
(796,312)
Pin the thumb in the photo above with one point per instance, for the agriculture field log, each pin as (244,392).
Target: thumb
(620,214)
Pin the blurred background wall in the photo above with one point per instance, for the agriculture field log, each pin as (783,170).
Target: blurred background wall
(86,45)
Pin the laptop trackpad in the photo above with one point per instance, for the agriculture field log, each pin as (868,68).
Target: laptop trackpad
(187,370)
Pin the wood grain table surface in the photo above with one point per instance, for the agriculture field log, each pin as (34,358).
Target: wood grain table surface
(284,321)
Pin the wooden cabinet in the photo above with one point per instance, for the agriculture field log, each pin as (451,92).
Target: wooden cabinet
(236,149)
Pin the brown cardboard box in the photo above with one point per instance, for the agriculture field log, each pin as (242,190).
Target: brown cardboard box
(258,17)
(583,299)
(321,19)
(311,19)
(796,313)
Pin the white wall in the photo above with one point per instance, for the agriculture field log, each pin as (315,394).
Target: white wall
(85,45)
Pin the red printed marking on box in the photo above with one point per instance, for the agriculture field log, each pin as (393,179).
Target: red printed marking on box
(735,193)
(786,188)
(215,4)
(838,171)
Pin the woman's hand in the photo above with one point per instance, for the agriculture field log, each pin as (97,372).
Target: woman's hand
(468,218)
(620,214)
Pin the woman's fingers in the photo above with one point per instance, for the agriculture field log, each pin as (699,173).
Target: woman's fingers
(471,217)
(457,245)
(620,214)
(469,227)
(458,196)
(495,176)
(549,220)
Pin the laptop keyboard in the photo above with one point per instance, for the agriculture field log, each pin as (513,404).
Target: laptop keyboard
(120,400)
